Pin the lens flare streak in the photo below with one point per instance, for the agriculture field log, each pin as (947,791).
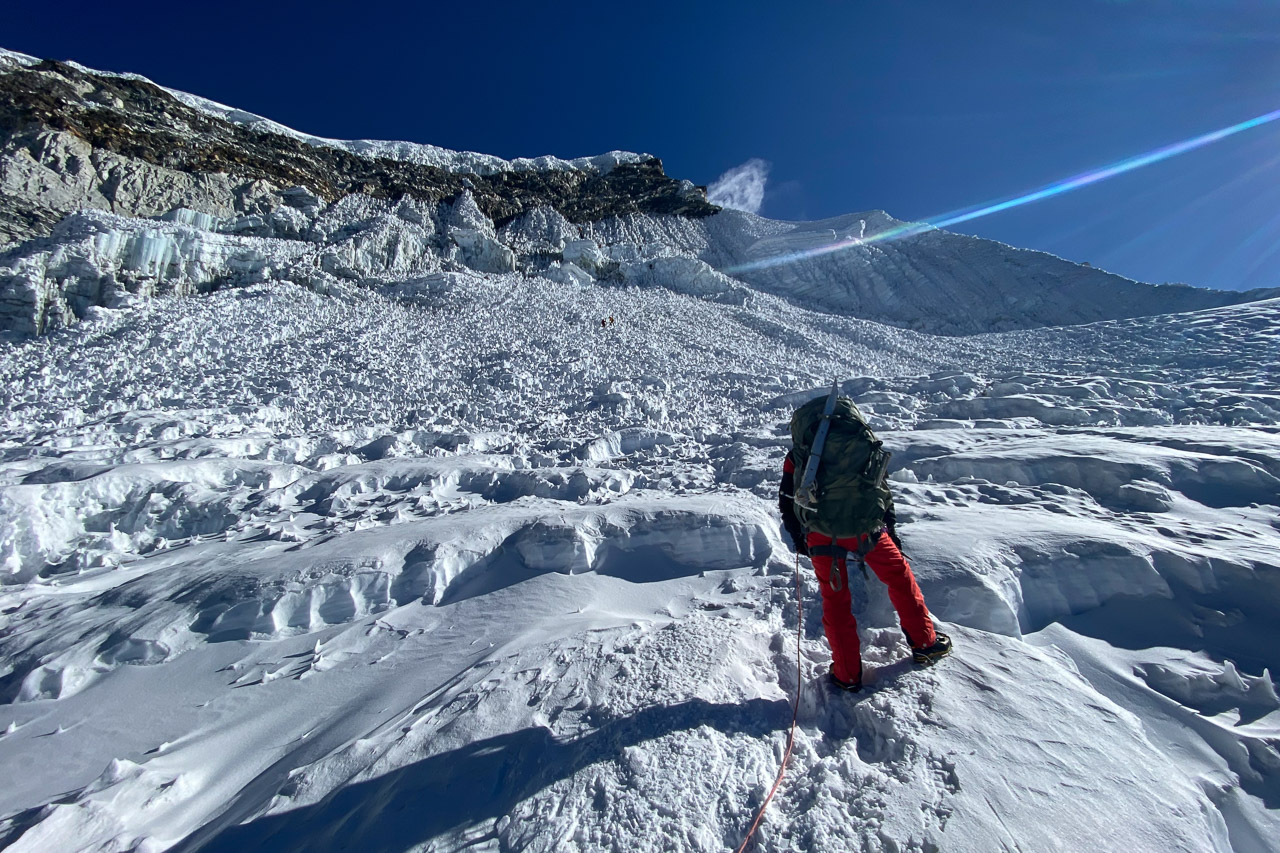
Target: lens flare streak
(1084,179)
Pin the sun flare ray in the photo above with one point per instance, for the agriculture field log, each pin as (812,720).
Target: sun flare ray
(908,229)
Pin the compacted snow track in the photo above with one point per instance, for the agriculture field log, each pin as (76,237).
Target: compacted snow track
(284,571)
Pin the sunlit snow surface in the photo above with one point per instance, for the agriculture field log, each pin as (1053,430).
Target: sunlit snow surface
(284,571)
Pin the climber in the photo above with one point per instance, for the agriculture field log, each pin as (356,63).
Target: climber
(838,505)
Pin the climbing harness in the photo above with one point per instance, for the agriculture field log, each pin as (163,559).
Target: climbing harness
(839,556)
(795,714)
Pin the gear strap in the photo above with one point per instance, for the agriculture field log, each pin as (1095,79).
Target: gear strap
(840,555)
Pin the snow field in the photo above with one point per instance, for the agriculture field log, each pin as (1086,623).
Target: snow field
(452,566)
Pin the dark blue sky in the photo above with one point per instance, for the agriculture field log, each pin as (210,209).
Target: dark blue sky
(917,108)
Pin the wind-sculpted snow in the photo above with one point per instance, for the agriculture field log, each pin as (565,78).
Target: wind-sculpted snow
(456,565)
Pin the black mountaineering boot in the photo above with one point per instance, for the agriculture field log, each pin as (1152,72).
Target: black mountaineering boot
(930,655)
(847,686)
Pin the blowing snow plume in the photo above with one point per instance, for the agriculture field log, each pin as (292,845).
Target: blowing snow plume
(742,187)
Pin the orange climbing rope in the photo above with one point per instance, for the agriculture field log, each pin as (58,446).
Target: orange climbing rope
(795,713)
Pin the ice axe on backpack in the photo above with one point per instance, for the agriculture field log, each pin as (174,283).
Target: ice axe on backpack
(806,495)
(844,496)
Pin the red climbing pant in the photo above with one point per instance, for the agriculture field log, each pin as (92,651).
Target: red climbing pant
(837,616)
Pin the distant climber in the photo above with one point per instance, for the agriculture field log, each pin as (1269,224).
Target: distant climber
(604,324)
(835,502)
(610,320)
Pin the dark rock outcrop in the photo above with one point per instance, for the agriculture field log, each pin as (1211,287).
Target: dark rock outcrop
(114,126)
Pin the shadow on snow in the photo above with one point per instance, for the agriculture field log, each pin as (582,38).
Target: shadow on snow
(477,782)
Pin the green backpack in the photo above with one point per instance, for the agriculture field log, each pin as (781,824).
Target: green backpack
(849,496)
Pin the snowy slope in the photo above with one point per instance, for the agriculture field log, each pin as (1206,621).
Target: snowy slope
(349,523)
(284,571)
(949,283)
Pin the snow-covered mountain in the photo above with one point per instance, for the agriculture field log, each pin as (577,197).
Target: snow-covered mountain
(385,541)
(251,201)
